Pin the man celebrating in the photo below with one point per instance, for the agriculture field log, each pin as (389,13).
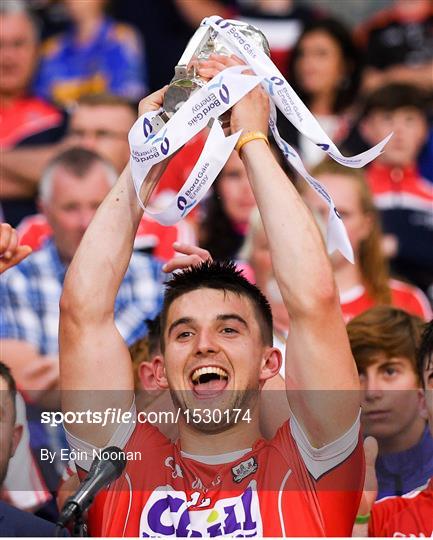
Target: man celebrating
(221,477)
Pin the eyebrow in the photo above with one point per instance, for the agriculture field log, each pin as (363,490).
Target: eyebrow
(235,316)
(222,317)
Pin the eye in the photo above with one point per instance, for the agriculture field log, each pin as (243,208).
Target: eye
(184,335)
(390,371)
(229,330)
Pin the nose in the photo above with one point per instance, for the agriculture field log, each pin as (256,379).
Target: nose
(371,388)
(206,344)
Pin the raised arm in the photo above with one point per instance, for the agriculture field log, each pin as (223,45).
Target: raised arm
(95,365)
(321,377)
(318,355)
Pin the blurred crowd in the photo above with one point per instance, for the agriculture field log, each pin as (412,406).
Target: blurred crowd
(71,75)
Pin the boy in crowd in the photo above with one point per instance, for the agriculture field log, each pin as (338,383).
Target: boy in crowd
(410,515)
(384,342)
(403,197)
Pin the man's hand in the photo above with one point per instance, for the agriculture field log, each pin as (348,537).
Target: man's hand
(152,102)
(192,256)
(251,113)
(10,252)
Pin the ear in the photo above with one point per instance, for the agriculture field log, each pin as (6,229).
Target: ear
(16,437)
(422,404)
(147,377)
(271,364)
(159,372)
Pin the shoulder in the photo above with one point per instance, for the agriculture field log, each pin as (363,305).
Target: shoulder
(14,522)
(390,512)
(410,298)
(52,46)
(122,34)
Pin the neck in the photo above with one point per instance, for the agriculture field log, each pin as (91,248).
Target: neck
(347,275)
(239,436)
(322,103)
(404,440)
(7,98)
(87,28)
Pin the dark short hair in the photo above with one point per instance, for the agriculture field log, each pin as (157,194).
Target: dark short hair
(393,96)
(6,374)
(384,330)
(425,351)
(221,276)
(154,335)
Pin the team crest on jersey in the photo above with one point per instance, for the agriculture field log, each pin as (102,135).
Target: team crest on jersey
(244,469)
(169,513)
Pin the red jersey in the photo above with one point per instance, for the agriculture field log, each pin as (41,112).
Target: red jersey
(409,515)
(280,487)
(403,296)
(26,117)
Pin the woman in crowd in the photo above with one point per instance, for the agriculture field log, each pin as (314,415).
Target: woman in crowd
(363,284)
(325,71)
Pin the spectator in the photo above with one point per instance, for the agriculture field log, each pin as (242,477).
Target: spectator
(384,342)
(72,187)
(229,206)
(97,55)
(215,334)
(26,120)
(403,197)
(99,123)
(282,23)
(13,522)
(410,515)
(325,71)
(361,285)
(398,45)
(367,282)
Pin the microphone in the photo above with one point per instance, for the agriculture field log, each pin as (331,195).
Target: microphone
(102,472)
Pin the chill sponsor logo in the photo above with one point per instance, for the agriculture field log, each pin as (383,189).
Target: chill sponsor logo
(244,469)
(165,143)
(277,81)
(170,513)
(175,467)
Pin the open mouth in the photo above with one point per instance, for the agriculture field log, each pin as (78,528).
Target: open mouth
(209,381)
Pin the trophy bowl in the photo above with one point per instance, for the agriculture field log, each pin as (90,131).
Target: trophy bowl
(204,42)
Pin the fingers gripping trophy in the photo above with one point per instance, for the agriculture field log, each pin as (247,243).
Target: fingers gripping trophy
(186,81)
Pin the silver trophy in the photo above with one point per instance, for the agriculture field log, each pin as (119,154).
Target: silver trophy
(185,82)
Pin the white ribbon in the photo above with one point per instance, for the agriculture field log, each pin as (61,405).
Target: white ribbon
(215,98)
(212,100)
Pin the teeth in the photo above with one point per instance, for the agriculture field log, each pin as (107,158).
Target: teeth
(206,370)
